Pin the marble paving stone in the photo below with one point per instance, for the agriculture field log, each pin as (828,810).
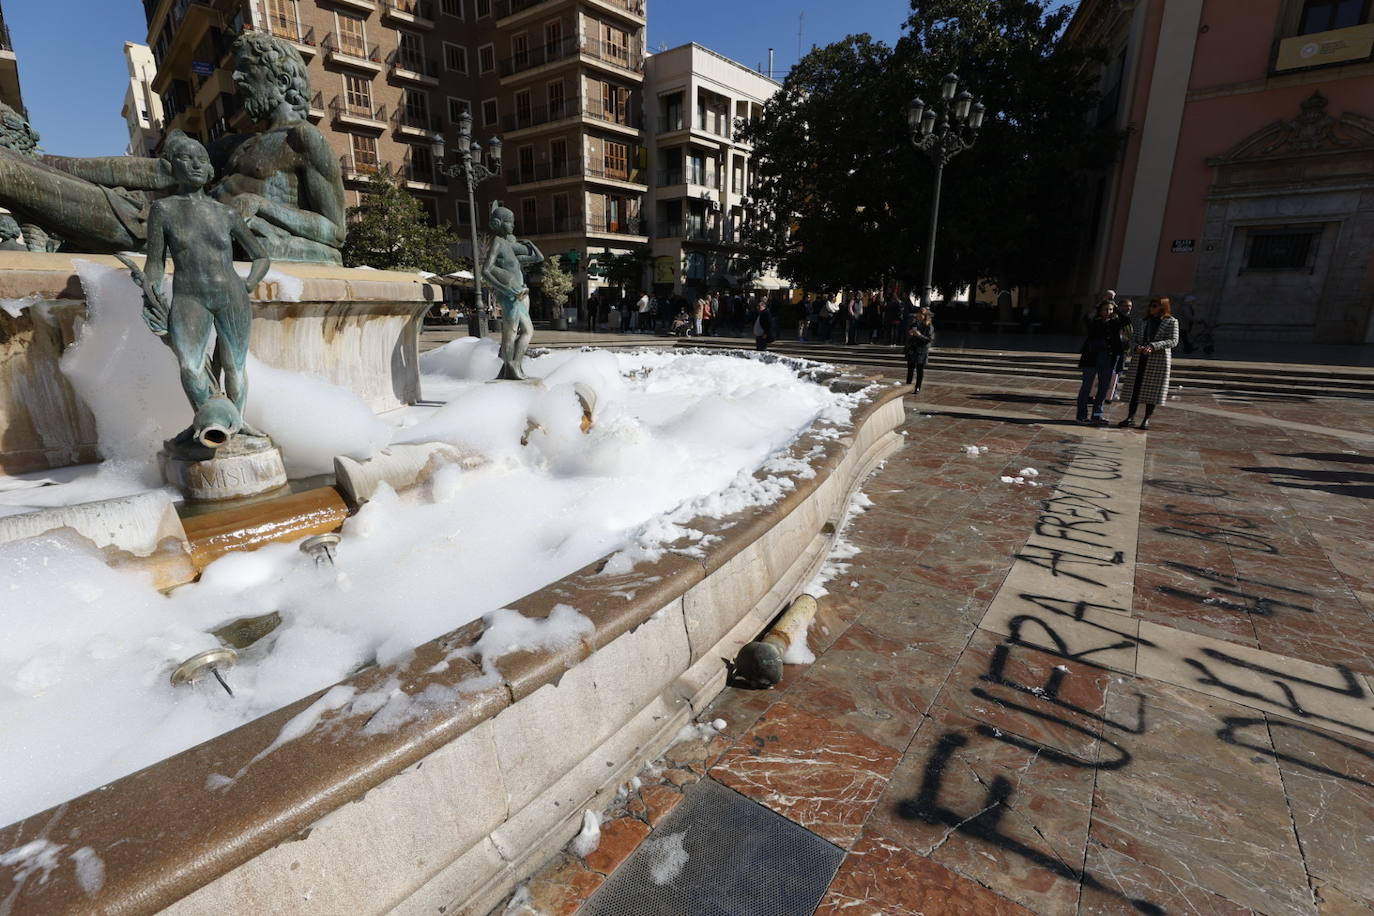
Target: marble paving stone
(1119,878)
(619,838)
(1003,815)
(880,878)
(1319,695)
(818,774)
(925,616)
(1207,600)
(1329,779)
(1332,900)
(1044,700)
(876,686)
(1103,635)
(560,888)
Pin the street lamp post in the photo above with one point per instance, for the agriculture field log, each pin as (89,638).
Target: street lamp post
(474,168)
(942,136)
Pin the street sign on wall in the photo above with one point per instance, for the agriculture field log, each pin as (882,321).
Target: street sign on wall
(1184,246)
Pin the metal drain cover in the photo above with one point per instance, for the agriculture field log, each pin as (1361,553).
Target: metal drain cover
(720,854)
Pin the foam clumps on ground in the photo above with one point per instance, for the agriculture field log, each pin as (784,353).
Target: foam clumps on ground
(84,669)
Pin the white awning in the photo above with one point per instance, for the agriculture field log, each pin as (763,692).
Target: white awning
(769,283)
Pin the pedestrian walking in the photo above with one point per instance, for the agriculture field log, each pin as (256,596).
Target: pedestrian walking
(919,339)
(641,316)
(763,326)
(1097,359)
(1147,381)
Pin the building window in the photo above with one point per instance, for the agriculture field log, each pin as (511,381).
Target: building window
(1281,249)
(456,107)
(462,212)
(486,58)
(410,52)
(416,109)
(364,153)
(553,34)
(455,58)
(489,113)
(422,164)
(358,95)
(529,214)
(557,100)
(524,114)
(1325,15)
(561,213)
(524,157)
(483,8)
(352,35)
(452,8)
(281,19)
(520,51)
(558,156)
(617,160)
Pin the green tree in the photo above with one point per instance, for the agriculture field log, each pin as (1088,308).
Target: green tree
(844,199)
(388,230)
(556,282)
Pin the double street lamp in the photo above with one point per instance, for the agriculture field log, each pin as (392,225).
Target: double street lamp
(474,168)
(942,131)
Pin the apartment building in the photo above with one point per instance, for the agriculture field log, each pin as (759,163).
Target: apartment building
(9,70)
(142,109)
(1245,185)
(559,80)
(695,102)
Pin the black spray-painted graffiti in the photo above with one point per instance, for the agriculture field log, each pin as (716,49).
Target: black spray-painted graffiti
(1227,529)
(1286,685)
(1229,595)
(1233,728)
(1072,534)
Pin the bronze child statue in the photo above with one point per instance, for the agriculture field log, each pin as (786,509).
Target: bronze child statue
(504,269)
(198,233)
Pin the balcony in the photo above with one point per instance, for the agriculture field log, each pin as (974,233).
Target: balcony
(668,178)
(668,124)
(629,226)
(419,125)
(540,115)
(508,12)
(694,231)
(538,56)
(621,56)
(195,20)
(358,171)
(606,173)
(620,117)
(316,110)
(421,178)
(303,39)
(544,171)
(346,53)
(417,14)
(412,68)
(557,225)
(361,6)
(356,114)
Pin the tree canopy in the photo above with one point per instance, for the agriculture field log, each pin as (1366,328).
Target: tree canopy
(388,230)
(844,198)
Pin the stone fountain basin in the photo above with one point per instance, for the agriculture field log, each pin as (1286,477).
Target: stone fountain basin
(459,804)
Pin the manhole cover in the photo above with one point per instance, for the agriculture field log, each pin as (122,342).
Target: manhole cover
(720,854)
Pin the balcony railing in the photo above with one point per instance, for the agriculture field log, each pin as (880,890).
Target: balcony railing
(340,107)
(418,120)
(714,123)
(556,225)
(5,43)
(669,123)
(697,232)
(504,8)
(544,171)
(419,9)
(414,63)
(670,177)
(350,48)
(600,170)
(629,226)
(538,56)
(597,108)
(620,55)
(542,114)
(360,168)
(291,31)
(419,173)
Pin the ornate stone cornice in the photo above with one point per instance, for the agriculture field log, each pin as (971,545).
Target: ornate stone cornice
(1312,132)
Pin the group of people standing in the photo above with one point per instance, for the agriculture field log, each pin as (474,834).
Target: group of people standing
(1120,344)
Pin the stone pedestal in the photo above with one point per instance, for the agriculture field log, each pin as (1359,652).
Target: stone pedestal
(246,466)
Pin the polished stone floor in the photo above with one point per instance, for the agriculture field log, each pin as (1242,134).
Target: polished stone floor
(1143,684)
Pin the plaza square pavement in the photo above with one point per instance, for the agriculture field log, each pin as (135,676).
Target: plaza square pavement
(1143,684)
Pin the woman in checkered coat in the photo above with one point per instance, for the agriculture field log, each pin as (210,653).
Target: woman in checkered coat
(1148,378)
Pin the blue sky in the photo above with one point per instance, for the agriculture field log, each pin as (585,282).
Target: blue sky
(71,52)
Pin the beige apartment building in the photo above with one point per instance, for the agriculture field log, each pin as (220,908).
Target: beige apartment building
(9,70)
(559,80)
(696,102)
(142,109)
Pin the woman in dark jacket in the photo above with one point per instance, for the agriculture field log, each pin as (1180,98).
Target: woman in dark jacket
(919,338)
(763,326)
(1097,359)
